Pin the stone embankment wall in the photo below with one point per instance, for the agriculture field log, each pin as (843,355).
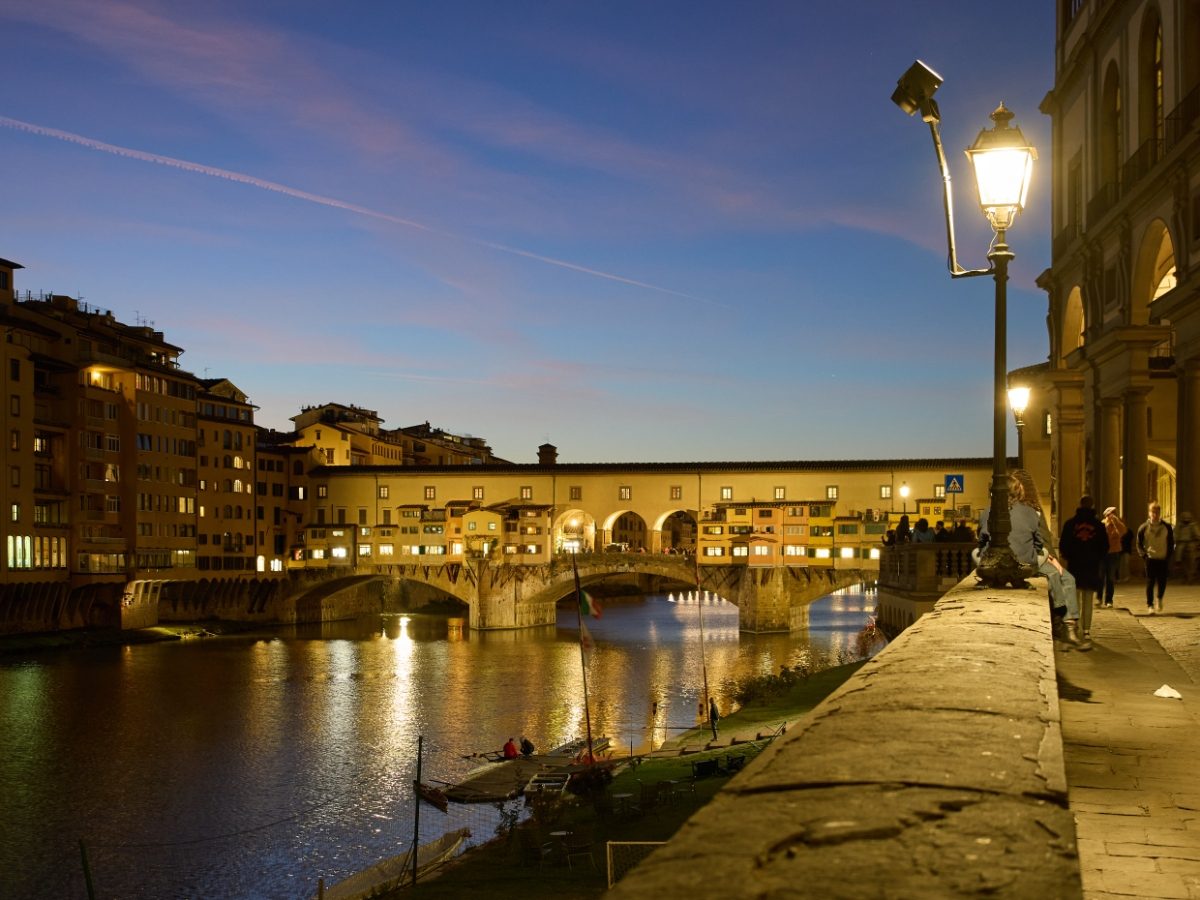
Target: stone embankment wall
(936,771)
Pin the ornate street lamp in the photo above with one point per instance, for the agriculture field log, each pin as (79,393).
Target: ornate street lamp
(904,497)
(1003,164)
(1018,400)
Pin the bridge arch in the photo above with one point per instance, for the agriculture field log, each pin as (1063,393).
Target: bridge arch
(624,526)
(574,531)
(676,529)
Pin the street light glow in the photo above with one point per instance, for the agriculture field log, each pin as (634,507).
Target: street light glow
(1003,162)
(1018,400)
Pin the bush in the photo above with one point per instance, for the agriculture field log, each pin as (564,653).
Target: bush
(760,687)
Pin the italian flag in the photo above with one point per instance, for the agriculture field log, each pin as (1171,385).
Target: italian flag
(588,605)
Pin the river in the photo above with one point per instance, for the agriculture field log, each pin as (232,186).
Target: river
(249,765)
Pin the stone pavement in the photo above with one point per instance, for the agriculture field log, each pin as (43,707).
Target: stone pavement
(1132,758)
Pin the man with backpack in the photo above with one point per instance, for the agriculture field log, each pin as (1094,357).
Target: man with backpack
(1084,542)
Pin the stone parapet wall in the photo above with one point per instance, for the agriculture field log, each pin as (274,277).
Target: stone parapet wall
(936,771)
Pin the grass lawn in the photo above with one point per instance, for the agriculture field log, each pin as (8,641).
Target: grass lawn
(513,865)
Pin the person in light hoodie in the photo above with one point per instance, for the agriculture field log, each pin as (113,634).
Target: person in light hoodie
(1155,543)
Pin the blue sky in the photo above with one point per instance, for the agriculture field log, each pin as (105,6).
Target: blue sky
(668,231)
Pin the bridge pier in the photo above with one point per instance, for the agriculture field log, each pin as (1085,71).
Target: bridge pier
(776,598)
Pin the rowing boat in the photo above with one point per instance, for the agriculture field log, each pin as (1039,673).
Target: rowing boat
(396,871)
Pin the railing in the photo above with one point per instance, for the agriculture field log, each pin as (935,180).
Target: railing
(925,568)
(1102,201)
(1138,166)
(1183,118)
(1071,9)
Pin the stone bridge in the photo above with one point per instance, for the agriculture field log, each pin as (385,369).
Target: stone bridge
(505,595)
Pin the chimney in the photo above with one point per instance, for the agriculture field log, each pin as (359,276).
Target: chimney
(547,455)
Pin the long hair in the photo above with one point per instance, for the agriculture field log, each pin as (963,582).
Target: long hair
(1023,490)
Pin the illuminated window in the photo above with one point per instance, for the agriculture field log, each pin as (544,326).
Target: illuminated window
(885,492)
(364,549)
(741,550)
(714,551)
(383,492)
(477,493)
(338,552)
(430,492)
(792,550)
(317,553)
(761,550)
(386,549)
(726,493)
(939,490)
(822,553)
(526,492)
(780,493)
(831,492)
(624,493)
(576,493)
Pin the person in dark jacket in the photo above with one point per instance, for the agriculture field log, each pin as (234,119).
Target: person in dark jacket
(1084,543)
(903,531)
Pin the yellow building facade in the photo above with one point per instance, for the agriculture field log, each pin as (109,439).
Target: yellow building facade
(1115,410)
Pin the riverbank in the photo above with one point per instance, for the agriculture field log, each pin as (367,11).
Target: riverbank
(529,861)
(15,644)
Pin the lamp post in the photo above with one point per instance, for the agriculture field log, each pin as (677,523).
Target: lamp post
(904,498)
(1003,164)
(1018,399)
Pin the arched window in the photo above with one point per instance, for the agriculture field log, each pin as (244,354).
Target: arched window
(237,485)
(1110,145)
(1151,116)
(237,462)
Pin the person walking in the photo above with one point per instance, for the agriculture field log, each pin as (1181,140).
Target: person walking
(1084,543)
(1116,531)
(713,715)
(1155,543)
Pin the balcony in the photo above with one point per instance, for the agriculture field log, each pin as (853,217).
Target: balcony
(1184,118)
(1102,201)
(1143,160)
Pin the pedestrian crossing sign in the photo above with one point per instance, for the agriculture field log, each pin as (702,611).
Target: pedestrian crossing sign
(954,484)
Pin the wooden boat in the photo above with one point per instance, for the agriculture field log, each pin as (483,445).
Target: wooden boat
(431,795)
(396,871)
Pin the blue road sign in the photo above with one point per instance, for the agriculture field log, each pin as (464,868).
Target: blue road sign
(954,484)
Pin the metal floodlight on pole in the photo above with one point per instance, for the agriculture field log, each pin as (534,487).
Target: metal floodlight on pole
(1003,163)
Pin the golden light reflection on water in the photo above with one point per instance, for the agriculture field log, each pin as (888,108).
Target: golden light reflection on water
(316,726)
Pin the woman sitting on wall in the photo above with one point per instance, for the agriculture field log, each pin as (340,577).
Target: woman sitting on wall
(1031,544)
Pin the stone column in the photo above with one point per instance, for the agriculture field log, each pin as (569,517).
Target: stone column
(1134,463)
(1187,440)
(1071,463)
(1108,451)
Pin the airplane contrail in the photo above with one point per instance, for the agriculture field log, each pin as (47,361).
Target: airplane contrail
(263,184)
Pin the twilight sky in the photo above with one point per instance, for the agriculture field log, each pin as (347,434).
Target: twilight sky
(641,231)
